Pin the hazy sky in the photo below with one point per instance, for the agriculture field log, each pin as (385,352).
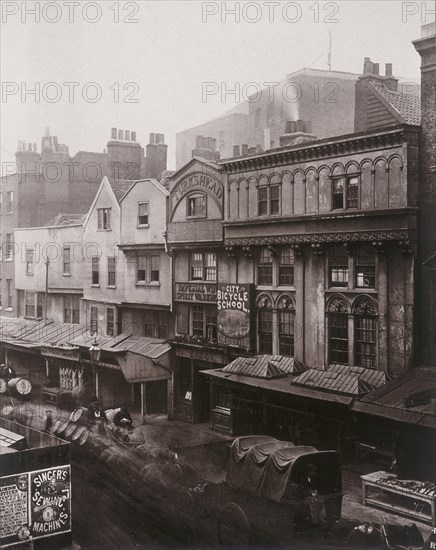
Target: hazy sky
(168,55)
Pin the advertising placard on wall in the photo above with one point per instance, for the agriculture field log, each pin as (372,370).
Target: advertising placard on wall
(14,506)
(34,505)
(234,303)
(50,501)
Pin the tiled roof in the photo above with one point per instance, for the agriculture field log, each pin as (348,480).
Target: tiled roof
(66,219)
(264,366)
(120,187)
(408,106)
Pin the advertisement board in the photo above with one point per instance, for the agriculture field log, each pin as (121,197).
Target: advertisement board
(234,304)
(14,509)
(34,505)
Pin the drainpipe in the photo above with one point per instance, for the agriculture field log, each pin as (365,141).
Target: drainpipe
(47,263)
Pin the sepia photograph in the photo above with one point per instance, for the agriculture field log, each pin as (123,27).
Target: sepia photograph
(218,274)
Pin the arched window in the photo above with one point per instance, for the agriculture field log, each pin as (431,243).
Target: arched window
(265,324)
(286,312)
(365,321)
(337,311)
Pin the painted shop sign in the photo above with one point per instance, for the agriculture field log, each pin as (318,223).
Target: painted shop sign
(50,501)
(199,181)
(234,303)
(196,292)
(199,355)
(72,353)
(34,505)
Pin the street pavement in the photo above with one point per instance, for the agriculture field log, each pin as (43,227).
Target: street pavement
(109,502)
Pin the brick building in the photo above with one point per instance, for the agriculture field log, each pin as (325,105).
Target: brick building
(47,183)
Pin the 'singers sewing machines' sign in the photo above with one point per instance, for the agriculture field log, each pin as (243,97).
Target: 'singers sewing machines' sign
(50,501)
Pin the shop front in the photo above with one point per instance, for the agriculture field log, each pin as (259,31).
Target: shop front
(69,381)
(192,392)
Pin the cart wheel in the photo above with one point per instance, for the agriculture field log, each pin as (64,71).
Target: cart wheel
(233,528)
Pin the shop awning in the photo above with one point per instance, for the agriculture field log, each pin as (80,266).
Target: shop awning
(280,385)
(144,359)
(410,398)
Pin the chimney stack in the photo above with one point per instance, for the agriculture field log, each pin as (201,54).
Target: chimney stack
(388,69)
(133,136)
(121,135)
(156,156)
(297,132)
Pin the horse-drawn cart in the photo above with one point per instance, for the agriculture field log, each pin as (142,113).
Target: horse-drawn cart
(274,492)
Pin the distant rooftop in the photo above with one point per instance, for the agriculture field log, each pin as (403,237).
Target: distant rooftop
(64,220)
(408,106)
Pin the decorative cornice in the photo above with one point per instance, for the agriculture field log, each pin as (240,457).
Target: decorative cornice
(321,149)
(315,238)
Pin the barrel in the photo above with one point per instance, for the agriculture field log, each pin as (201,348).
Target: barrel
(3,385)
(21,386)
(78,433)
(70,430)
(79,415)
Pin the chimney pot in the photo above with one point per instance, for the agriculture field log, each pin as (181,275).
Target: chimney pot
(252,151)
(259,148)
(307,127)
(388,69)
(376,68)
(152,139)
(24,146)
(300,125)
(55,141)
(127,135)
(114,133)
(133,136)
(244,149)
(236,151)
(120,134)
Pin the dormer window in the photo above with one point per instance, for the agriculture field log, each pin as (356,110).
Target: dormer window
(196,206)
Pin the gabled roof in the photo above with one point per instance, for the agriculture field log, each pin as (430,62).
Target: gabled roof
(407,107)
(121,187)
(118,187)
(64,220)
(264,366)
(188,165)
(159,186)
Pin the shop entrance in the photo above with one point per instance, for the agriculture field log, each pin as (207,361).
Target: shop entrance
(156,397)
(137,397)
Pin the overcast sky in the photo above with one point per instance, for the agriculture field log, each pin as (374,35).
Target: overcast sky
(168,55)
